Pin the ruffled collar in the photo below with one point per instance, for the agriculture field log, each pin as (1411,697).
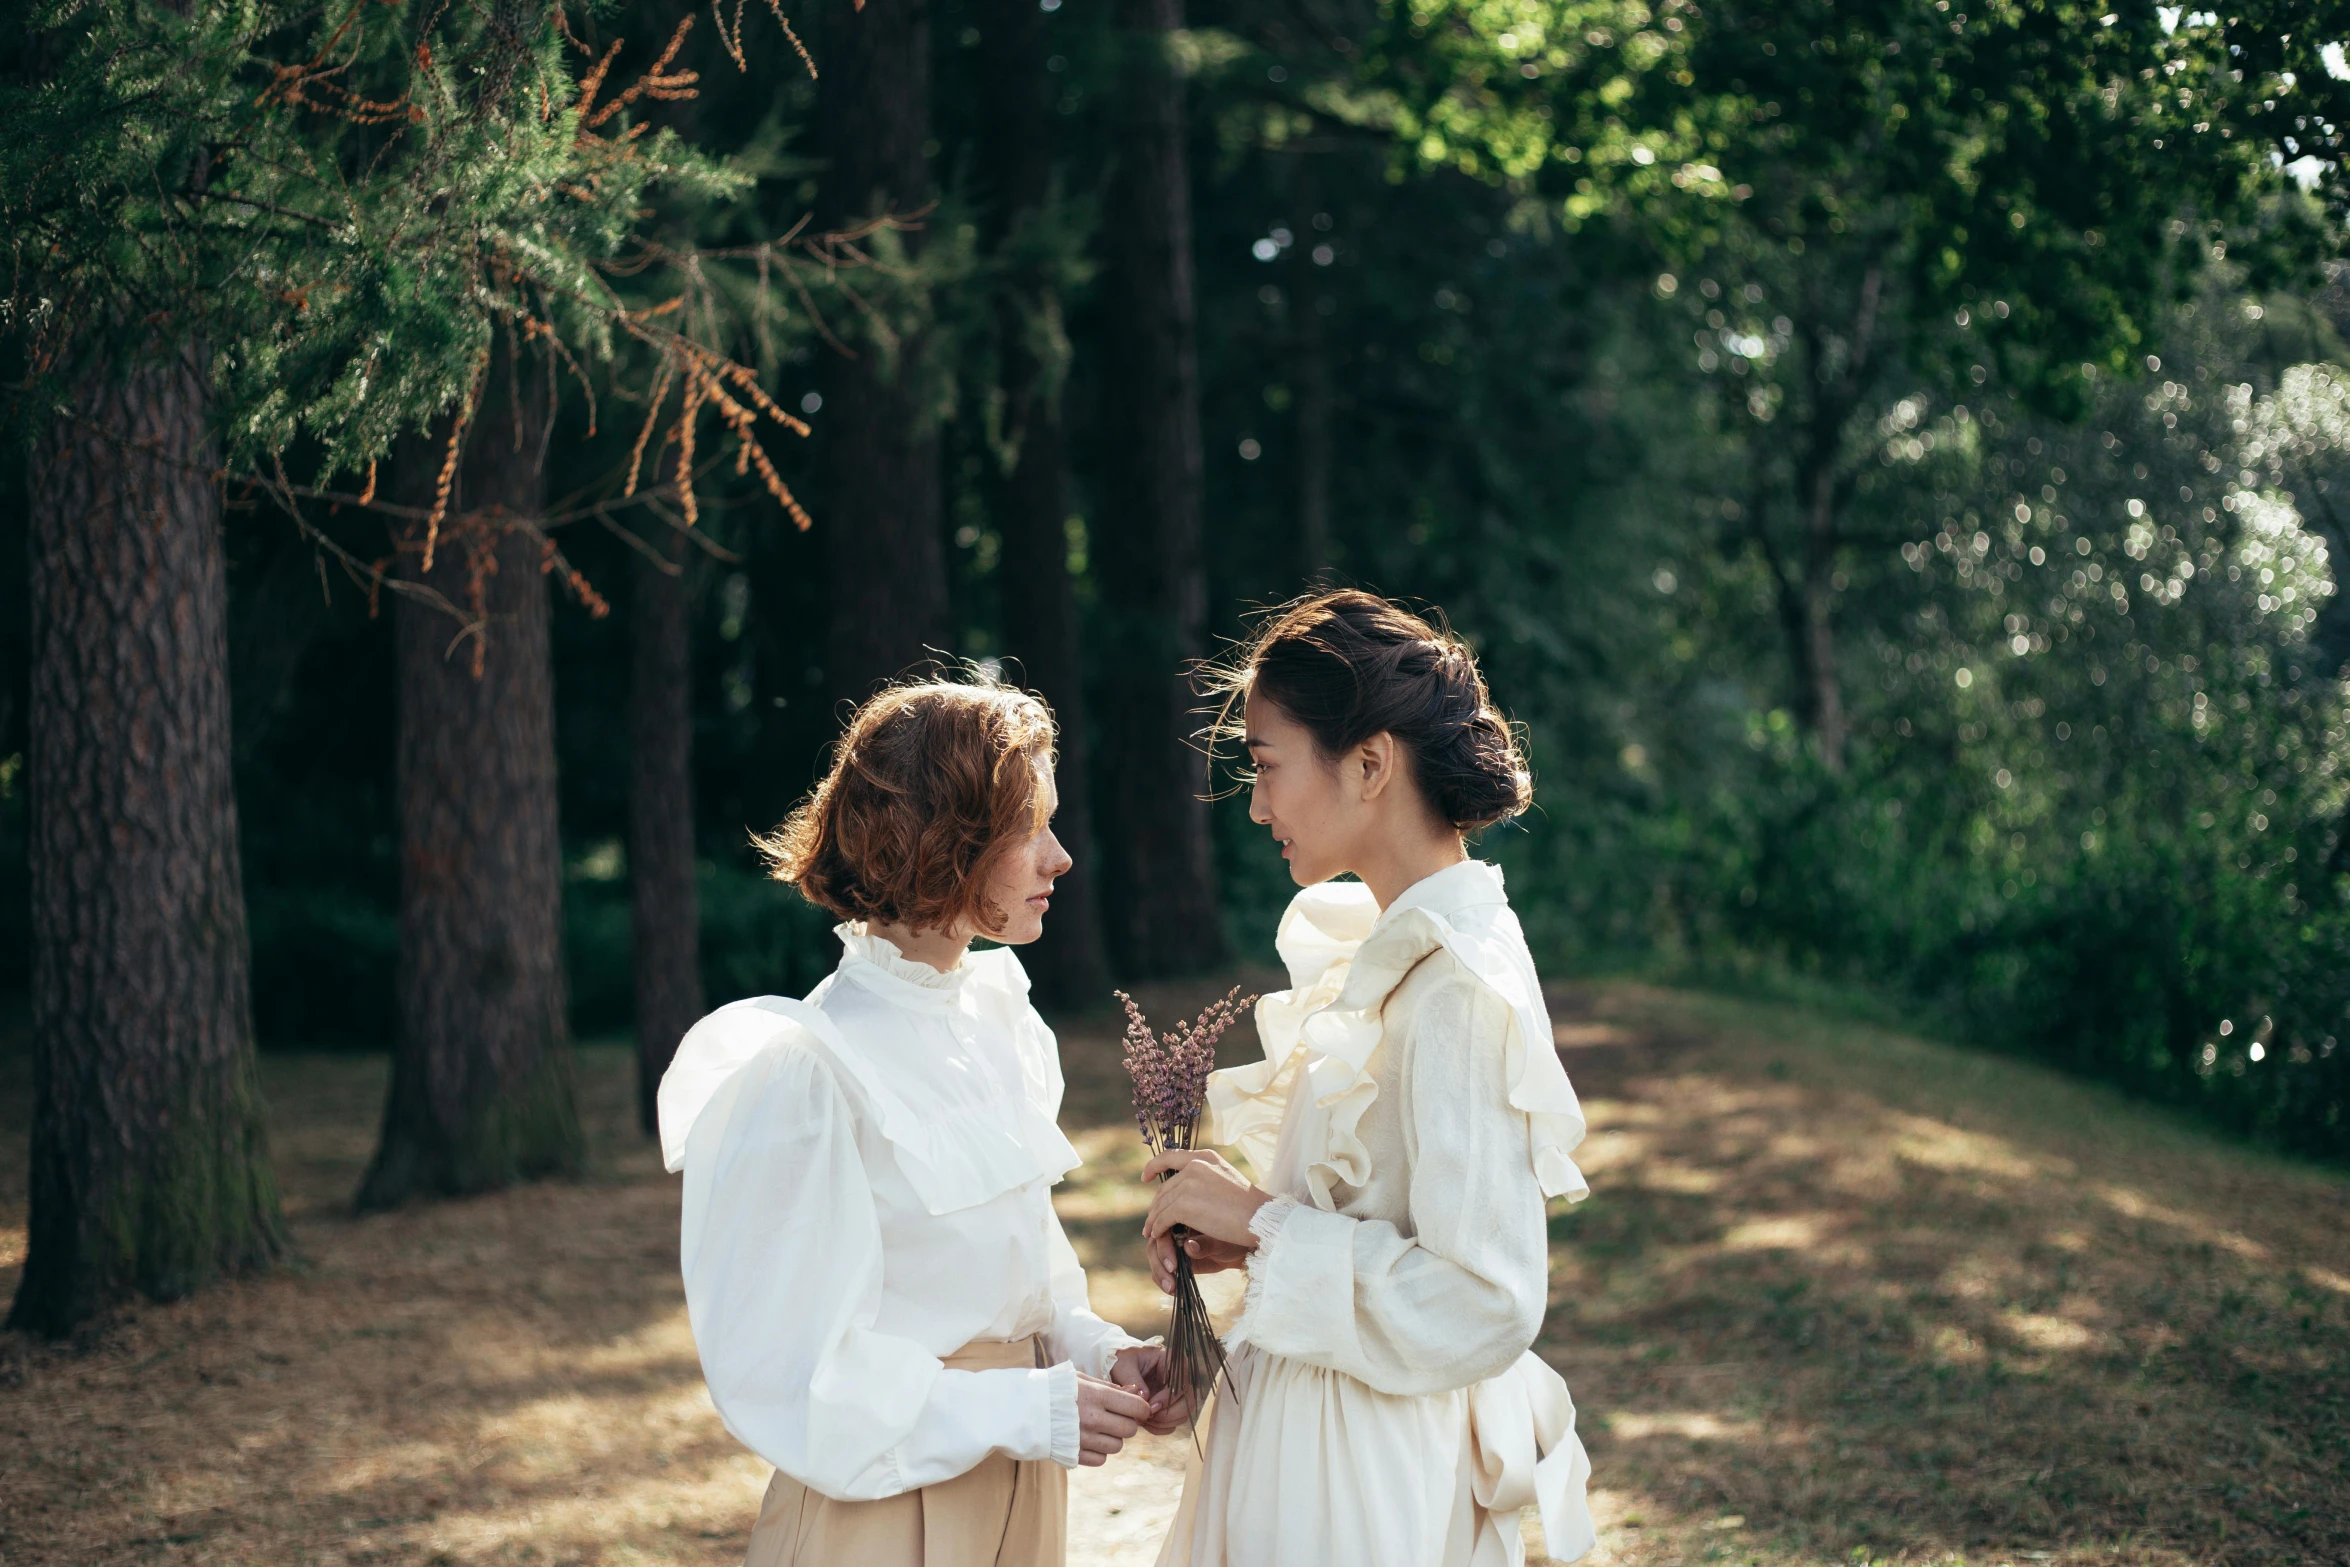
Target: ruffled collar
(1345,955)
(1327,924)
(960,1136)
(875,961)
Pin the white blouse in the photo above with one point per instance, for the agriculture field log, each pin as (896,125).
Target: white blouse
(868,1178)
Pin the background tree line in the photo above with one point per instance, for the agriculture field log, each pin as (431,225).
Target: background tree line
(1883,454)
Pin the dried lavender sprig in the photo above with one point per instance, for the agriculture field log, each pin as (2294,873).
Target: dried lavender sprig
(1170,1069)
(1170,1072)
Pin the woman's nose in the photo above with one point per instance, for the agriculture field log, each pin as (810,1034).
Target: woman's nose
(1056,858)
(1256,808)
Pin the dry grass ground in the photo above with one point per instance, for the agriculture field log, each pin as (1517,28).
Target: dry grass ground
(1838,1293)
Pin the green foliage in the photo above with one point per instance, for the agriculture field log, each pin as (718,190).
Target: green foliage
(2052,154)
(758,938)
(2297,443)
(344,203)
(1606,476)
(2189,756)
(2096,802)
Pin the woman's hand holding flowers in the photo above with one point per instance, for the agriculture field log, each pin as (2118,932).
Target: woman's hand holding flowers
(1206,1256)
(1204,1194)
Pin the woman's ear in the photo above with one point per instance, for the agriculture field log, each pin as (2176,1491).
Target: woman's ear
(1375,761)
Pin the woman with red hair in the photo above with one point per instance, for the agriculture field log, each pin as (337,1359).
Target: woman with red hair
(884,1302)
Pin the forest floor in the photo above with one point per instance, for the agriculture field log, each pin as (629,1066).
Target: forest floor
(1839,1295)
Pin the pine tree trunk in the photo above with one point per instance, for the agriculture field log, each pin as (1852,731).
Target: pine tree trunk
(1826,696)
(1068,966)
(481,1092)
(665,913)
(150,1165)
(877,447)
(2331,638)
(1313,435)
(1803,594)
(663,905)
(1840,373)
(1307,297)
(1158,880)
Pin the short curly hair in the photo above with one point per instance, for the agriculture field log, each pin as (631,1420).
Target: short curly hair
(930,784)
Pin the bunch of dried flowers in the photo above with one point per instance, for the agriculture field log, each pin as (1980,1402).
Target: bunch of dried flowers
(1170,1072)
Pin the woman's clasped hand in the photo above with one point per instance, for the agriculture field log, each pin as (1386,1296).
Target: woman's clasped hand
(1136,1397)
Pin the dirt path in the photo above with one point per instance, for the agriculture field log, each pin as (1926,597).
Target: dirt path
(1837,1292)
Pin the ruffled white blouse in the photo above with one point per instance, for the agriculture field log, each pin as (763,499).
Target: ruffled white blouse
(1411,1117)
(868,1179)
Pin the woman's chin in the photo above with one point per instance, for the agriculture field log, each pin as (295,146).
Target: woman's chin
(1023,928)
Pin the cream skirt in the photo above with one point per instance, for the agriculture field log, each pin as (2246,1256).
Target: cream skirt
(1301,1467)
(1005,1513)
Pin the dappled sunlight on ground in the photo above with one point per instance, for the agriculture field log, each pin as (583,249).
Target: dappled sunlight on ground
(1835,1291)
(1867,1294)
(508,1379)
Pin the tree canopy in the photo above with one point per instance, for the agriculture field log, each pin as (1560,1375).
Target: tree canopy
(1890,455)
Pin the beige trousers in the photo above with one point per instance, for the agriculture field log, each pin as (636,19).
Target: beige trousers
(1007,1512)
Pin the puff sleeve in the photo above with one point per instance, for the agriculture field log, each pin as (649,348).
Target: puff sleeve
(781,1250)
(1077,1334)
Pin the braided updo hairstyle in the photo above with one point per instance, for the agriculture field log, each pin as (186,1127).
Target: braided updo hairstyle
(1348,665)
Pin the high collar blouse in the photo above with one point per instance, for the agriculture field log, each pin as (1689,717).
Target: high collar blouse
(1411,1118)
(868,1178)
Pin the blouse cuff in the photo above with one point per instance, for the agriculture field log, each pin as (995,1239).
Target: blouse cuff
(1266,1226)
(1061,1395)
(1117,1344)
(1094,1346)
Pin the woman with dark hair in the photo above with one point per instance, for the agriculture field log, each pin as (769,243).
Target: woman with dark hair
(884,1302)
(1408,1124)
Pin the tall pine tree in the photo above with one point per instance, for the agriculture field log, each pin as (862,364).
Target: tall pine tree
(1158,864)
(884,560)
(1028,230)
(481,1091)
(150,1168)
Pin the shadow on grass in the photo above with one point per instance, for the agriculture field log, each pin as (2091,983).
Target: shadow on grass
(1837,1290)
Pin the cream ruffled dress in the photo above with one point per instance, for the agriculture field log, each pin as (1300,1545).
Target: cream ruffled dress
(1411,1116)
